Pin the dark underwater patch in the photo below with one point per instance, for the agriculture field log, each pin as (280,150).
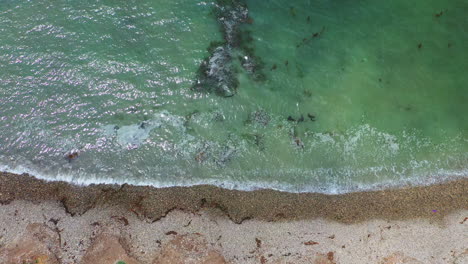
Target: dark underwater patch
(218,72)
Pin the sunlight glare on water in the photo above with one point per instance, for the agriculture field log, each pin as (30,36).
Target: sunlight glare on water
(304,96)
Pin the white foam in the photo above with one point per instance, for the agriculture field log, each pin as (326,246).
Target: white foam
(86,179)
(349,179)
(133,136)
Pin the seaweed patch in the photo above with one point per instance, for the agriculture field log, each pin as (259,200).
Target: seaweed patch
(258,118)
(218,72)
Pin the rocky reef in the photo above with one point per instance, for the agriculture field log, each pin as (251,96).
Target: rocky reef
(218,72)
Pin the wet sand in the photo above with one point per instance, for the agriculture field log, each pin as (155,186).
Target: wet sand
(153,203)
(149,225)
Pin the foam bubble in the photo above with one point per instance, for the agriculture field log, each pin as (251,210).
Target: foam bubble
(84,179)
(133,136)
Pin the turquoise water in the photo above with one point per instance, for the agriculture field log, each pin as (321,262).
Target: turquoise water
(303,96)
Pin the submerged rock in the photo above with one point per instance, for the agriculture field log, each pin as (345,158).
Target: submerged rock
(218,72)
(255,139)
(226,155)
(259,117)
(231,14)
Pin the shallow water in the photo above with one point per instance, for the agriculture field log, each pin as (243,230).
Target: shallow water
(381,87)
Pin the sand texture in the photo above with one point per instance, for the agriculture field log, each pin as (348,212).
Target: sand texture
(57,222)
(107,235)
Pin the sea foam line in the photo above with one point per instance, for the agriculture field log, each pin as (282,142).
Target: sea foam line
(87,180)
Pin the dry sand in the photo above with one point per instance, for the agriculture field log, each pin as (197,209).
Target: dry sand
(61,223)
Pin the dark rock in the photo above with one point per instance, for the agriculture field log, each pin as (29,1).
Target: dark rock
(301,119)
(259,117)
(217,73)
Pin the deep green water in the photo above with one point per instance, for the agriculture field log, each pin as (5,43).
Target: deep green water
(382,87)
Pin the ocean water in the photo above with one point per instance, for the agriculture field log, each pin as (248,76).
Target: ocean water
(300,96)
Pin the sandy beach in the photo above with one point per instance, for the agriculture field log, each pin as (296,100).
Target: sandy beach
(55,222)
(320,132)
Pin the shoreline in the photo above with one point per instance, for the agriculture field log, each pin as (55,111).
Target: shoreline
(249,185)
(61,223)
(433,202)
